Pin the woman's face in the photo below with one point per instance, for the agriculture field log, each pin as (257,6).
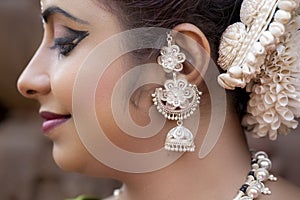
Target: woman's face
(71,30)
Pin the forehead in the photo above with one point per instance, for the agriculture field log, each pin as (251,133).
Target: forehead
(90,10)
(67,4)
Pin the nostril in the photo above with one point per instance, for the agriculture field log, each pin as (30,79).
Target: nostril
(32,85)
(31,92)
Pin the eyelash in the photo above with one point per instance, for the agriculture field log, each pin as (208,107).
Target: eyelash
(65,45)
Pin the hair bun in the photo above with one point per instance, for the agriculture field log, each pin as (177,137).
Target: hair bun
(261,53)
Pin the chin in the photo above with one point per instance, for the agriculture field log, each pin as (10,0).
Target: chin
(68,160)
(75,158)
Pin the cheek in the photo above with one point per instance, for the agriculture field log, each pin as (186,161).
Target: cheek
(138,116)
(105,104)
(103,98)
(62,85)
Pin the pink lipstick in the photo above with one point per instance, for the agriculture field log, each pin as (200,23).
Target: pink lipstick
(53,120)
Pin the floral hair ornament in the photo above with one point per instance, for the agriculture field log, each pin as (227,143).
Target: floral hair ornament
(178,100)
(262,54)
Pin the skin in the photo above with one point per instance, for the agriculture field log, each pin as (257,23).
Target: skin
(49,79)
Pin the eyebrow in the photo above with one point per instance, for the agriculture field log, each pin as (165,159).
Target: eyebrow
(56,10)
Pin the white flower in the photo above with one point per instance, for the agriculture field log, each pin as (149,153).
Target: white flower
(275,95)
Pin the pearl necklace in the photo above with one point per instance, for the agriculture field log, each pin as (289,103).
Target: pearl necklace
(254,185)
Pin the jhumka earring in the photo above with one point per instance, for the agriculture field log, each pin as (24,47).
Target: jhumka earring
(178,100)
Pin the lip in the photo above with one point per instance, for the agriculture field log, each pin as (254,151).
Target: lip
(53,120)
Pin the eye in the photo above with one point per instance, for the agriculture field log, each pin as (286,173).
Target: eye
(65,45)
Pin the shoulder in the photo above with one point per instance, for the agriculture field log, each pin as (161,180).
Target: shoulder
(282,189)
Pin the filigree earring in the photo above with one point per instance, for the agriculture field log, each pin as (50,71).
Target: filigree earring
(178,100)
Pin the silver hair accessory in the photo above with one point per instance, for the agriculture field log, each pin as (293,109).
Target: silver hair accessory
(178,100)
(262,54)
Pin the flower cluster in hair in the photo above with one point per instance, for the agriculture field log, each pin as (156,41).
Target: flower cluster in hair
(268,67)
(275,96)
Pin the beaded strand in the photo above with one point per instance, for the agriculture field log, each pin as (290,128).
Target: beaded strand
(254,185)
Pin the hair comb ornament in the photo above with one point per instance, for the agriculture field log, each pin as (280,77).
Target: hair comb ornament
(178,100)
(262,54)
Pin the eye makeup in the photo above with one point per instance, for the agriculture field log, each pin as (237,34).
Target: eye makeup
(64,45)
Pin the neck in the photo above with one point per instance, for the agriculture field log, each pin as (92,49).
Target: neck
(217,176)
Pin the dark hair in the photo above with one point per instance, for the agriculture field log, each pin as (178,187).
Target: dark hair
(211,16)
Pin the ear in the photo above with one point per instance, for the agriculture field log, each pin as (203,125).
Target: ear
(197,49)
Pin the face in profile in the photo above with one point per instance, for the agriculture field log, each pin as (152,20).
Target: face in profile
(71,30)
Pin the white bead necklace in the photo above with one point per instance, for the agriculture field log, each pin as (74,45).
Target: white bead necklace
(254,185)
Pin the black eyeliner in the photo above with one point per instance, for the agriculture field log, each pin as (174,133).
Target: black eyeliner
(66,44)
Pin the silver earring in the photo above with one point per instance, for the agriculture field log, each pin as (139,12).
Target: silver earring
(178,100)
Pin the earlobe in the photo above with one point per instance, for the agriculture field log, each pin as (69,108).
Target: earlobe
(197,48)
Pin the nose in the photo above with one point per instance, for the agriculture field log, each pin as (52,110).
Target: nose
(34,81)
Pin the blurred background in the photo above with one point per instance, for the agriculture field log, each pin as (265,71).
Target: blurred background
(27,171)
